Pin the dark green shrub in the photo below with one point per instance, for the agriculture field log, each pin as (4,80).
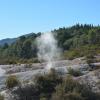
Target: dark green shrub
(35,60)
(1,97)
(47,83)
(89,61)
(11,81)
(90,56)
(72,54)
(73,96)
(74,72)
(28,92)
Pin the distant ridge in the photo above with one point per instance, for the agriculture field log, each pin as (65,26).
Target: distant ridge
(12,40)
(7,40)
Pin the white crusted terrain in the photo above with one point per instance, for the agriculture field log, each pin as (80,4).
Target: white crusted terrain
(27,72)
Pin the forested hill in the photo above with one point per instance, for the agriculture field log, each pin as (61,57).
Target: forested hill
(78,40)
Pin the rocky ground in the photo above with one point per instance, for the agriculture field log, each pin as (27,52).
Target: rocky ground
(91,79)
(26,72)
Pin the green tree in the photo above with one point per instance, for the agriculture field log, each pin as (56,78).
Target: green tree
(5,46)
(92,37)
(26,51)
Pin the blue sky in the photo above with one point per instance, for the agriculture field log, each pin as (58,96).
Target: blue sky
(19,17)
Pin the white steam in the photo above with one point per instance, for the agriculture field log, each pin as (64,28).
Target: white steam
(47,49)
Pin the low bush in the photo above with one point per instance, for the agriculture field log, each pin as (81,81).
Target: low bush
(1,97)
(28,92)
(71,54)
(11,81)
(74,72)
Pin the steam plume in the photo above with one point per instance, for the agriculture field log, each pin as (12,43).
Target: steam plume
(48,49)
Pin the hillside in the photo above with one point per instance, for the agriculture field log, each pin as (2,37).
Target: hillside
(8,41)
(75,41)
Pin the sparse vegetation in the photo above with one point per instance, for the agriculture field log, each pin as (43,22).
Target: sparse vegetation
(72,90)
(90,58)
(49,87)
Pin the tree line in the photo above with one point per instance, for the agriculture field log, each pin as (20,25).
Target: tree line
(75,41)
